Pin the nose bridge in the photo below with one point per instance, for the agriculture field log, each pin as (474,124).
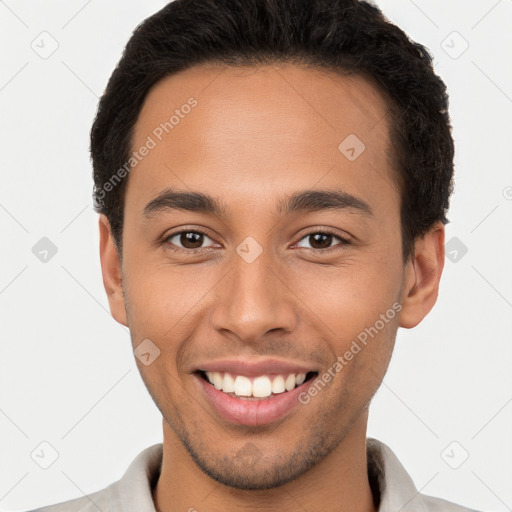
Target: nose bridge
(252,299)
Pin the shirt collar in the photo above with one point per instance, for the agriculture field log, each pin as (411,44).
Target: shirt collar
(134,490)
(390,481)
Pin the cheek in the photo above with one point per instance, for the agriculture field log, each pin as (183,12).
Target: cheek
(350,297)
(160,296)
(355,310)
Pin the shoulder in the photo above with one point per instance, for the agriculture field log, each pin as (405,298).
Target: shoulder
(93,502)
(432,504)
(135,486)
(394,486)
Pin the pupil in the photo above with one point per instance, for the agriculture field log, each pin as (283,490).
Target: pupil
(321,245)
(191,240)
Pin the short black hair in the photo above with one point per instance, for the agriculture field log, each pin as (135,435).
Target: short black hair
(345,36)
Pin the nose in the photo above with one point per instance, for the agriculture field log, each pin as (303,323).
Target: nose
(253,299)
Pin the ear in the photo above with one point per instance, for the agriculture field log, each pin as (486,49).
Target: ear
(111,271)
(422,275)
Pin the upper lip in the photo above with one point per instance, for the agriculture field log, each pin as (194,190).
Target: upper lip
(253,368)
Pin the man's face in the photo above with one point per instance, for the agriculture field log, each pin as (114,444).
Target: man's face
(255,138)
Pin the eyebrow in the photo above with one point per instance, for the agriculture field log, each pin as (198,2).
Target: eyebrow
(170,199)
(318,200)
(305,200)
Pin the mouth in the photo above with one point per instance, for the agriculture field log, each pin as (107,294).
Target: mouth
(255,387)
(252,400)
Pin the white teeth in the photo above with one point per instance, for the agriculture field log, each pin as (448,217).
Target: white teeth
(229,383)
(290,382)
(217,380)
(243,386)
(301,377)
(259,387)
(209,375)
(278,385)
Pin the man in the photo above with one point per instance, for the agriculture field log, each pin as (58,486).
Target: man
(272,178)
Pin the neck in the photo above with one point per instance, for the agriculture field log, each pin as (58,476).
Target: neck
(341,479)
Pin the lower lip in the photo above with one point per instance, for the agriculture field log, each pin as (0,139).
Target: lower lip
(251,412)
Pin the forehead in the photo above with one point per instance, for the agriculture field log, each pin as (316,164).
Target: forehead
(267,127)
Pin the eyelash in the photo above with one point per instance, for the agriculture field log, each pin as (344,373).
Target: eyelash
(343,241)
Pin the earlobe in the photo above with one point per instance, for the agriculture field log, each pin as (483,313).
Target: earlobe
(111,272)
(422,275)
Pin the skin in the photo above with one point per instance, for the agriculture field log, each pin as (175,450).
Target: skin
(256,136)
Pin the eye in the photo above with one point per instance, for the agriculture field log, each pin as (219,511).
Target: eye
(193,240)
(321,240)
(188,240)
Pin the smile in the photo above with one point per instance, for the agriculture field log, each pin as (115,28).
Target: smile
(258,387)
(257,398)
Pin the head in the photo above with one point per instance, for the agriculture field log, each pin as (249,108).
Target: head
(272,180)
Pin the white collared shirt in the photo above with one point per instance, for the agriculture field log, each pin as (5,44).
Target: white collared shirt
(132,493)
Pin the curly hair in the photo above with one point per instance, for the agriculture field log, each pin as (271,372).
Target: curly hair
(345,36)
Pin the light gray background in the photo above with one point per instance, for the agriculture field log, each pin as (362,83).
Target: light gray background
(68,375)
